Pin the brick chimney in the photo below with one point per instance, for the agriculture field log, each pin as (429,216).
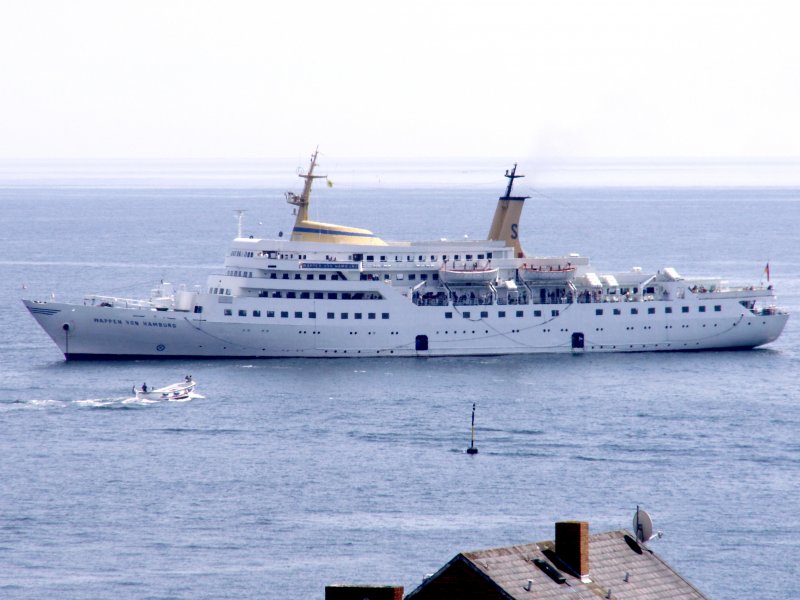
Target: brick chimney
(572,545)
(363,592)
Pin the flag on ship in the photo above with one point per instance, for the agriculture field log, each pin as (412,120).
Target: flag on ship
(766,271)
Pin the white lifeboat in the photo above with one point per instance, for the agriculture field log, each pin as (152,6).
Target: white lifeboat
(546,273)
(468,272)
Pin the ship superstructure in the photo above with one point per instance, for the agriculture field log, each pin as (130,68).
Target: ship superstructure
(337,291)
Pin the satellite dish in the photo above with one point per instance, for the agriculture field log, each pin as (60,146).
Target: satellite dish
(642,525)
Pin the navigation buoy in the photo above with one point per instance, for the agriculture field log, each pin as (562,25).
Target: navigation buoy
(472,449)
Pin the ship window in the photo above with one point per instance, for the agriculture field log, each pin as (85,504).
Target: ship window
(334,277)
(468,257)
(291,295)
(344,315)
(305,295)
(309,276)
(423,276)
(331,315)
(684,309)
(650,290)
(356,315)
(668,309)
(702,309)
(273,275)
(444,257)
(501,314)
(228,312)
(256,313)
(298,315)
(242,313)
(411,277)
(198,309)
(297,275)
(420,259)
(409,258)
(276,294)
(598,311)
(480,256)
(384,315)
(717,307)
(312,315)
(553,313)
(634,311)
(270,314)
(284,314)
(285,276)
(456,257)
(521,313)
(363,277)
(370,258)
(484,314)
(435,276)
(399,276)
(488,255)
(331,295)
(322,277)
(537,313)
(448,315)
(345,296)
(651,310)
(617,311)
(465,314)
(370,315)
(383,259)
(318,295)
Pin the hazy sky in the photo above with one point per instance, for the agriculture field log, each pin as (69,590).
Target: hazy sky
(114,78)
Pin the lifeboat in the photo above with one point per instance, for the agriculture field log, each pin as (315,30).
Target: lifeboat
(546,273)
(468,273)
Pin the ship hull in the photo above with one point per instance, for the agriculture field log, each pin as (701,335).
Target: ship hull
(115,333)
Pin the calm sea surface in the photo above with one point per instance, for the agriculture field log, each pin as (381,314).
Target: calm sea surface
(292,474)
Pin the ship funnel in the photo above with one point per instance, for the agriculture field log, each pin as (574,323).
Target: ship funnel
(505,224)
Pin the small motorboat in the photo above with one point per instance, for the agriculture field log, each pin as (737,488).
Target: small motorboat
(175,391)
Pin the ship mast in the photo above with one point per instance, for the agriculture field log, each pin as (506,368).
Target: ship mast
(301,201)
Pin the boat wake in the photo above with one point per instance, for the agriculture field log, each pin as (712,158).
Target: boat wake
(127,402)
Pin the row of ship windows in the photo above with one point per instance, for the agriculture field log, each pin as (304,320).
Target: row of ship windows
(307,295)
(284,314)
(667,310)
(335,276)
(484,314)
(358,257)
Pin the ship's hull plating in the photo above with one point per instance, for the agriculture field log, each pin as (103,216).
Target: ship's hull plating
(97,333)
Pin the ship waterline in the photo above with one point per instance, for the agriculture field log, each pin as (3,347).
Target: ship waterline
(338,291)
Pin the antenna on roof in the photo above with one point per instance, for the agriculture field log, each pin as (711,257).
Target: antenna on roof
(643,526)
(472,449)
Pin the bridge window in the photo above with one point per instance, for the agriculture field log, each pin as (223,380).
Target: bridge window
(370,315)
(684,309)
(312,315)
(501,314)
(284,314)
(256,313)
(298,315)
(537,313)
(702,308)
(384,315)
(242,313)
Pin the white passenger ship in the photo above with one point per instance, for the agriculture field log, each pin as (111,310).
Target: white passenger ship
(336,291)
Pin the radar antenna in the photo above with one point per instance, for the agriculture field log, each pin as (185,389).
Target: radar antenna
(511,177)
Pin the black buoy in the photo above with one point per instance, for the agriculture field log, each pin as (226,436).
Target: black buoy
(472,449)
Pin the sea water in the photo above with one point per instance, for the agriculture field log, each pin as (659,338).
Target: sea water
(288,475)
